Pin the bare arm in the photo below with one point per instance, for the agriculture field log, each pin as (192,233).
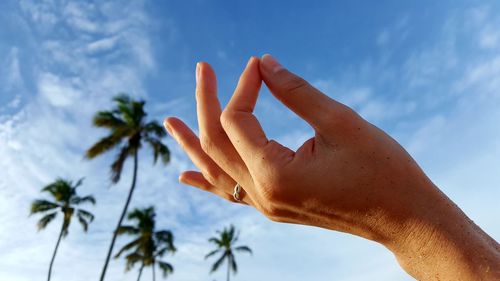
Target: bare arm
(350,176)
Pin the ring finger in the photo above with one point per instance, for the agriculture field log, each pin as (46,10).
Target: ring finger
(212,178)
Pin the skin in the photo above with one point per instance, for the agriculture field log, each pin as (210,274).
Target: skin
(350,176)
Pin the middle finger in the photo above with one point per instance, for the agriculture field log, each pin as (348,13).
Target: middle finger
(213,138)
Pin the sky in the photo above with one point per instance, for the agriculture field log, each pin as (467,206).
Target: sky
(427,72)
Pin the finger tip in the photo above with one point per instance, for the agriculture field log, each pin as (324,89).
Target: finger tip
(269,64)
(253,60)
(265,55)
(204,66)
(181,178)
(167,121)
(169,124)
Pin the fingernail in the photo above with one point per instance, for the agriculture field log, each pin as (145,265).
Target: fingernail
(250,60)
(271,64)
(198,72)
(167,126)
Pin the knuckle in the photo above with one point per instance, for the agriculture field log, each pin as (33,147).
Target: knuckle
(276,219)
(271,211)
(207,144)
(294,84)
(212,175)
(227,118)
(343,117)
(275,213)
(271,192)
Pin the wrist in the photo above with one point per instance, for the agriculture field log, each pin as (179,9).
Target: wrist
(439,242)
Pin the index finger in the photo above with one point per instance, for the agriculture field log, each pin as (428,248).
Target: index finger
(242,127)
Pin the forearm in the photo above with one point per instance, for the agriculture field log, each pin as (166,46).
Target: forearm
(442,243)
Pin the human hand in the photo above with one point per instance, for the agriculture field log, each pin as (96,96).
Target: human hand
(350,176)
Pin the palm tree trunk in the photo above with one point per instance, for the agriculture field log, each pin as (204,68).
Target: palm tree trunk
(228,268)
(140,272)
(55,251)
(154,277)
(122,216)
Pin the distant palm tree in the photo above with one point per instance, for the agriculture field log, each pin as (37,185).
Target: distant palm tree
(65,199)
(225,245)
(128,130)
(148,245)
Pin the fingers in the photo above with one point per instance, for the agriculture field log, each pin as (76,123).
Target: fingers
(206,98)
(241,126)
(190,143)
(213,138)
(197,179)
(298,95)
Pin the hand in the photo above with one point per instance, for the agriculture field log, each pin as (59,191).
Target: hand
(350,176)
(347,177)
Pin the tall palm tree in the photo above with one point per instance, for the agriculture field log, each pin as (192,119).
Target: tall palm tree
(148,245)
(128,130)
(225,245)
(65,200)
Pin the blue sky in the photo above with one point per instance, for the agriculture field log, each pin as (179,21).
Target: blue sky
(427,72)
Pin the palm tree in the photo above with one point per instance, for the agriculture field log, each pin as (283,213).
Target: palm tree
(65,201)
(225,245)
(128,130)
(148,245)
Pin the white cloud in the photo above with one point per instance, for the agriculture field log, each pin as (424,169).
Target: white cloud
(102,45)
(58,92)
(77,15)
(41,12)
(12,78)
(484,75)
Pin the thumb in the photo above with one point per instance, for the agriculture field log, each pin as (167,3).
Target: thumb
(309,103)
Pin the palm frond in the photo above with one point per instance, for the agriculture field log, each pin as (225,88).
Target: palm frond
(127,229)
(232,261)
(86,199)
(132,259)
(243,249)
(117,166)
(41,206)
(165,237)
(122,98)
(83,222)
(107,119)
(60,189)
(163,250)
(103,145)
(217,264)
(143,216)
(159,150)
(231,233)
(212,253)
(215,240)
(166,268)
(128,246)
(153,128)
(45,220)
(77,184)
(85,214)
(132,111)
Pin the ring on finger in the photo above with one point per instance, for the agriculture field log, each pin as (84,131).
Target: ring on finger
(236,192)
